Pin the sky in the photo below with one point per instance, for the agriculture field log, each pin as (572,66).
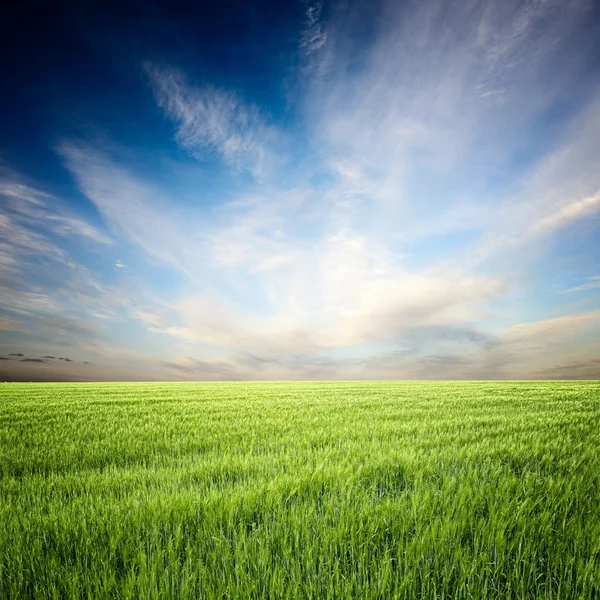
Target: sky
(293,190)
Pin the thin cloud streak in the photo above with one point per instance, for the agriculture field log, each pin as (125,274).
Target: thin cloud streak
(593,283)
(314,36)
(212,120)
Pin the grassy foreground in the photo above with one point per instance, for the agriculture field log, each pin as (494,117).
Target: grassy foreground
(289,490)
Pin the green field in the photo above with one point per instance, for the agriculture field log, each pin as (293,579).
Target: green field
(300,490)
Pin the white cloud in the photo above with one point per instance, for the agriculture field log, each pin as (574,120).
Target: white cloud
(409,115)
(29,208)
(549,330)
(212,120)
(314,35)
(593,283)
(133,208)
(532,350)
(43,288)
(449,353)
(565,215)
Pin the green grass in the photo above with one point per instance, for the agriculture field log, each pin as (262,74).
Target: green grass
(300,490)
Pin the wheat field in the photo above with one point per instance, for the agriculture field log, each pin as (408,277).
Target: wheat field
(300,490)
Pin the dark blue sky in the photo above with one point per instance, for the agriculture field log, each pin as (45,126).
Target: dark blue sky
(76,66)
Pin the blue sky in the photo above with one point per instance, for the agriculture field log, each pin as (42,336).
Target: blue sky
(346,190)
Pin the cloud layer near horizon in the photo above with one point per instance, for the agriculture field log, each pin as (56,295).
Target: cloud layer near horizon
(418,217)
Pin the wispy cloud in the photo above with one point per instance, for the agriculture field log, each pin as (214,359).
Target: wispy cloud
(7,324)
(314,35)
(132,207)
(409,118)
(566,214)
(592,283)
(45,291)
(211,120)
(26,208)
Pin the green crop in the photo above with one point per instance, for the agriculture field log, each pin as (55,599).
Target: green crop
(300,490)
